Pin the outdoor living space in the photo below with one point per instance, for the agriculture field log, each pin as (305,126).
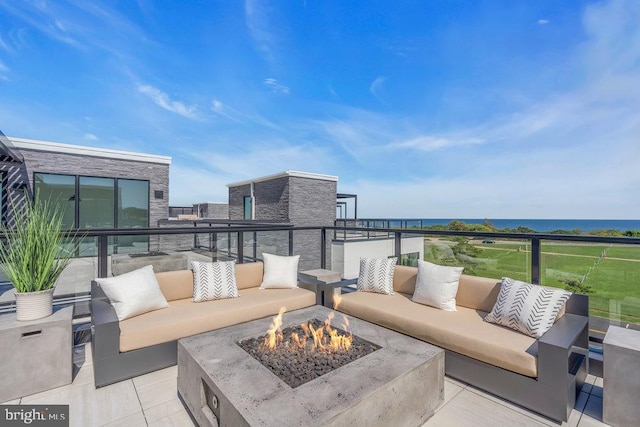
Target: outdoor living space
(152,399)
(155,399)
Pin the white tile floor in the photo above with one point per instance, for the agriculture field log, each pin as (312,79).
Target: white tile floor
(151,400)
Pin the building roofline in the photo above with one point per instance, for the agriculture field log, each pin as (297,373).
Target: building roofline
(212,203)
(8,149)
(36,145)
(288,173)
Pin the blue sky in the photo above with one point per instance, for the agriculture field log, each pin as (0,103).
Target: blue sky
(426,108)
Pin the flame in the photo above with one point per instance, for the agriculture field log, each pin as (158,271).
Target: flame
(324,338)
(337,299)
(274,334)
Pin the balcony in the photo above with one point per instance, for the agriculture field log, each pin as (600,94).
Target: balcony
(151,399)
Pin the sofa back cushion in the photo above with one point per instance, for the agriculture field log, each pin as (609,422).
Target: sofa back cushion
(478,293)
(176,284)
(404,279)
(249,275)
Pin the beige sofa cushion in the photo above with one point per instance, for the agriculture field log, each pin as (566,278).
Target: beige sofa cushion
(176,284)
(462,331)
(479,293)
(249,275)
(473,292)
(184,317)
(404,279)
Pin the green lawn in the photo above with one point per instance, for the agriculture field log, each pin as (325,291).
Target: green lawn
(610,279)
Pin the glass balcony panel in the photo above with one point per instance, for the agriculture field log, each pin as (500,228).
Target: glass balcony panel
(608,273)
(493,258)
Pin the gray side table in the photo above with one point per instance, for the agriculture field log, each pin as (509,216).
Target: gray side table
(325,283)
(35,356)
(621,377)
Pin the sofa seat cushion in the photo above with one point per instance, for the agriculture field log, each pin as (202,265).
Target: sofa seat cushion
(184,317)
(462,331)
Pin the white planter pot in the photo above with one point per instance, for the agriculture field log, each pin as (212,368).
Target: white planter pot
(34,305)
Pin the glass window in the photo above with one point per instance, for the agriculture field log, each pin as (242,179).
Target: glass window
(133,212)
(59,188)
(247,208)
(96,202)
(133,203)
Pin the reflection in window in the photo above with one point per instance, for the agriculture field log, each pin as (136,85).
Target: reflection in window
(133,203)
(133,212)
(248,207)
(96,202)
(60,189)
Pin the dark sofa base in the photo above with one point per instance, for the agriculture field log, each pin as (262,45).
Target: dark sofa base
(123,366)
(554,401)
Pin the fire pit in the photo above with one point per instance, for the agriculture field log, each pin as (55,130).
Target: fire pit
(399,382)
(299,354)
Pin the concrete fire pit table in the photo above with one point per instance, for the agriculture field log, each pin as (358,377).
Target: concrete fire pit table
(402,383)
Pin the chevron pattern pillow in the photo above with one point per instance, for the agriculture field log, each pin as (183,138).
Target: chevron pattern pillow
(526,308)
(214,280)
(376,275)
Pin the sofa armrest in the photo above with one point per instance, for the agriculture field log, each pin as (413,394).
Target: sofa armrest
(105,327)
(562,347)
(578,304)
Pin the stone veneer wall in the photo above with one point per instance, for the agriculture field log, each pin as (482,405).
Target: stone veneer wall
(211,210)
(236,200)
(73,164)
(295,200)
(312,202)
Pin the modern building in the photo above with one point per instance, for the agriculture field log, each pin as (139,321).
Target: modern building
(99,188)
(289,197)
(310,199)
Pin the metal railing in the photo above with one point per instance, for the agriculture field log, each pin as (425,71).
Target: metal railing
(243,240)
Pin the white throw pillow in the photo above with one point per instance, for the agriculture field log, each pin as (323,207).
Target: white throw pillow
(214,280)
(437,285)
(133,293)
(530,309)
(280,271)
(376,275)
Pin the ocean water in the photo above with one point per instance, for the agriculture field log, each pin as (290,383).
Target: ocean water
(546,225)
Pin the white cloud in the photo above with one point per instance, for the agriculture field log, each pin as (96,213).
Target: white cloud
(90,137)
(276,87)
(552,184)
(431,143)
(225,111)
(375,87)
(162,100)
(543,21)
(4,71)
(188,185)
(258,20)
(257,156)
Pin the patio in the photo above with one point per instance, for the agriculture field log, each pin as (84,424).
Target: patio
(152,400)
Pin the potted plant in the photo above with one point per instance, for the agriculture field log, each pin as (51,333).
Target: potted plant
(32,256)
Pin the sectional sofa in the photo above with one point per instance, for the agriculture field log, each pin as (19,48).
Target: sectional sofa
(148,342)
(542,374)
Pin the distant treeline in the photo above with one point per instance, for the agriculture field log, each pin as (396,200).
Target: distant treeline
(487,226)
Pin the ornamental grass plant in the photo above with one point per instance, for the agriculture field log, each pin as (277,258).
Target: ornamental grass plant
(31,254)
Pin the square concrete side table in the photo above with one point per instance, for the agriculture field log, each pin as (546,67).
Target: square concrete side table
(35,356)
(621,377)
(320,281)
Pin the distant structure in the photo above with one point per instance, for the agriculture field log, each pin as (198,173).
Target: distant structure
(310,199)
(211,210)
(290,197)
